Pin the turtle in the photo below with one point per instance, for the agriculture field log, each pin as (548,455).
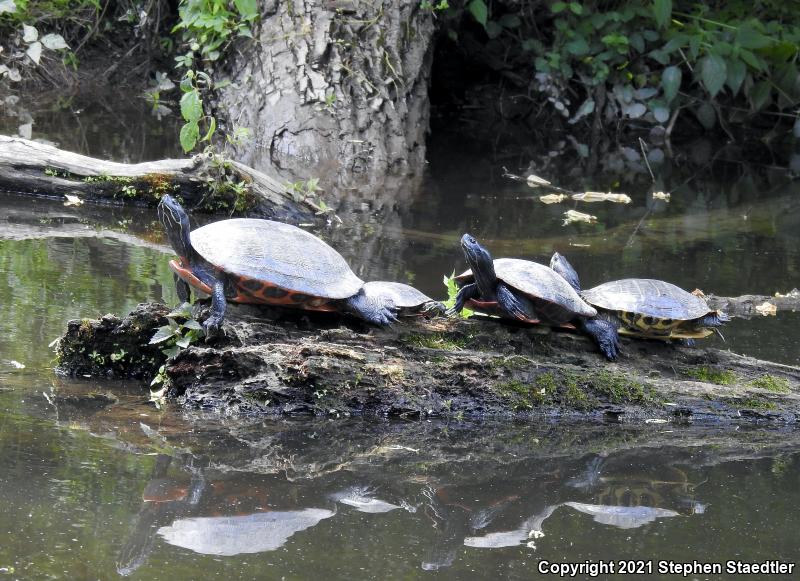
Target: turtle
(530,292)
(405,298)
(646,308)
(248,260)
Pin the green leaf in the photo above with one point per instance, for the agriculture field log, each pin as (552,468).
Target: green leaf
(247,8)
(660,112)
(183,342)
(558,7)
(713,73)
(493,30)
(212,127)
(191,106)
(749,37)
(510,21)
(192,324)
(671,82)
(578,46)
(751,59)
(479,11)
(189,135)
(761,95)
(161,335)
(736,72)
(662,10)
(576,8)
(452,291)
(706,115)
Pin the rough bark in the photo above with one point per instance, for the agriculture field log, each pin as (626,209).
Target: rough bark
(203,181)
(337,90)
(287,362)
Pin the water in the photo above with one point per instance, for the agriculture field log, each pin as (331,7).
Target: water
(98,484)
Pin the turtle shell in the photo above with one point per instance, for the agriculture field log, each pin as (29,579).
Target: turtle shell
(651,298)
(402,295)
(537,281)
(277,254)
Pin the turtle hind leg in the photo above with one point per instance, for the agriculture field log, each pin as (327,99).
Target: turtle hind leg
(183,289)
(515,305)
(603,333)
(465,293)
(378,313)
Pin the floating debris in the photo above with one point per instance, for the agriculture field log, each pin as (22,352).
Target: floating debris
(536,181)
(661,196)
(655,421)
(698,293)
(602,197)
(767,309)
(553,198)
(14,364)
(72,200)
(579,245)
(792,294)
(571,216)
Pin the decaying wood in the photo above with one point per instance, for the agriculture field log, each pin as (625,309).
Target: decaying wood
(36,168)
(279,362)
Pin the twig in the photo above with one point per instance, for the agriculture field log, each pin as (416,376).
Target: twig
(646,161)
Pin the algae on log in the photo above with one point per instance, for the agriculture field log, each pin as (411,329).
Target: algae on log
(338,86)
(204,181)
(287,362)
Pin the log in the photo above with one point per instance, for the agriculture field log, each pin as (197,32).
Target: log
(206,182)
(748,306)
(281,362)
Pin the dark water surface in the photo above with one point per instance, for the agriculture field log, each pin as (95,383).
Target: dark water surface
(96,483)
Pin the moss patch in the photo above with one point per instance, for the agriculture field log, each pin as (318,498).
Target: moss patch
(711,375)
(772,383)
(620,388)
(443,341)
(756,403)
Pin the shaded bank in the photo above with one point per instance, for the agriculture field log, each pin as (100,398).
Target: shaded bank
(301,363)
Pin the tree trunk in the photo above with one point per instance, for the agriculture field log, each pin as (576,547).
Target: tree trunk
(334,89)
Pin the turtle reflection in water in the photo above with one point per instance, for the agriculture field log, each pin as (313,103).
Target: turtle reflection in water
(256,261)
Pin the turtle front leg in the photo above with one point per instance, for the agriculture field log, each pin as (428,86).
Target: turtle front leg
(218,303)
(466,293)
(378,313)
(183,289)
(515,305)
(603,333)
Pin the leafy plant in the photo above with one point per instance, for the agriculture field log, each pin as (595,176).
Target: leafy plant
(208,25)
(646,62)
(452,291)
(176,336)
(192,110)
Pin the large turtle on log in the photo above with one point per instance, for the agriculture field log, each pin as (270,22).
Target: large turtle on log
(530,292)
(647,308)
(256,261)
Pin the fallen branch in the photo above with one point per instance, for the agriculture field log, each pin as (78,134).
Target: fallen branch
(293,362)
(207,182)
(748,306)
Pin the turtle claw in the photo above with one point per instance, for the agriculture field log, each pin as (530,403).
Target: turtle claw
(212,327)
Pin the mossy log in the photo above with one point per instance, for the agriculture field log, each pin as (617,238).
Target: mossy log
(284,362)
(206,182)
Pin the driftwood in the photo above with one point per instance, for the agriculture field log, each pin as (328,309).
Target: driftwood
(283,362)
(747,306)
(204,181)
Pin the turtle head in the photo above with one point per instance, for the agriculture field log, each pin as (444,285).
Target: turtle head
(561,266)
(176,225)
(481,263)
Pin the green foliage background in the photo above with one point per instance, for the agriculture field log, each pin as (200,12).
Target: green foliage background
(647,60)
